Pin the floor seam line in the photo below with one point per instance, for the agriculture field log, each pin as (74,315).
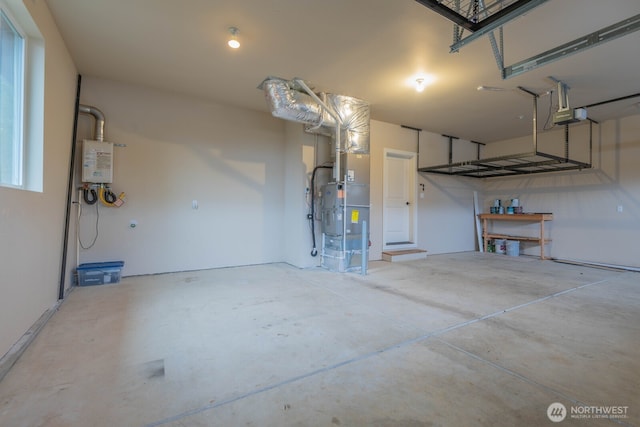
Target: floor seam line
(516,307)
(365,356)
(521,377)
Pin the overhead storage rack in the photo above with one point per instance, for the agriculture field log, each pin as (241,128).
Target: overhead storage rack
(517,164)
(531,162)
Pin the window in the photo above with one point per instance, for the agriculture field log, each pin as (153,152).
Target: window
(12,53)
(22,71)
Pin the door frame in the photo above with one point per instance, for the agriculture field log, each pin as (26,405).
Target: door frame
(413,191)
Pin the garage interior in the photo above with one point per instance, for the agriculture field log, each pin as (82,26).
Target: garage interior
(299,219)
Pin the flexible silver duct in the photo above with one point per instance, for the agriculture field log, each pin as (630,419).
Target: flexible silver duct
(99,116)
(288,103)
(287,100)
(355,117)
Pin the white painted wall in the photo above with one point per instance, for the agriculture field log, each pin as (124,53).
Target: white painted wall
(31,223)
(445,214)
(446,221)
(181,149)
(586,224)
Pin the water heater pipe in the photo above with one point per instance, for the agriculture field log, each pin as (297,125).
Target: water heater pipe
(336,169)
(99,116)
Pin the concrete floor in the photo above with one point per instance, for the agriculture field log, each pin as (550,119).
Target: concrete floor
(455,340)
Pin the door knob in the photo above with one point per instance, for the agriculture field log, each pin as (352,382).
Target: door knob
(407,203)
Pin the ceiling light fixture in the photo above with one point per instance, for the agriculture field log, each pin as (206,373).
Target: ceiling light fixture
(233,41)
(420,81)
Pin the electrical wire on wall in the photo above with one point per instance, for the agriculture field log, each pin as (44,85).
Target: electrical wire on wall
(80,210)
(311,215)
(91,193)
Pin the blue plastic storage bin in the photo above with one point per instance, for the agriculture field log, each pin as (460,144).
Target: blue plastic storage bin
(99,273)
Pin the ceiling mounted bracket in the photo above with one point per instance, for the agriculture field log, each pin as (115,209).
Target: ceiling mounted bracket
(496,14)
(606,34)
(497,20)
(498,49)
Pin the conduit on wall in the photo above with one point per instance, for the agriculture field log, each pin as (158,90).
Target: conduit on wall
(65,240)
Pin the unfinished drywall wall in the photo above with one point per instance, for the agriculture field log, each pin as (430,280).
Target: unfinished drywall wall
(180,150)
(31,223)
(587,224)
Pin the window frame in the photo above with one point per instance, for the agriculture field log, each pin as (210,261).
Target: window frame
(17,139)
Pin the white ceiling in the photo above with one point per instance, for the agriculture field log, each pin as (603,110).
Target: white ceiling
(362,48)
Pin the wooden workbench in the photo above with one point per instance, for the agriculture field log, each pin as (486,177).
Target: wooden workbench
(526,217)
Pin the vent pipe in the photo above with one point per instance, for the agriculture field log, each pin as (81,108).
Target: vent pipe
(323,112)
(99,116)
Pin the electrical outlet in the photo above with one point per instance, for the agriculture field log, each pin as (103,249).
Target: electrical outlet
(620,208)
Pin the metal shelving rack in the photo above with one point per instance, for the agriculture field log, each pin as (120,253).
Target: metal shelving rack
(534,161)
(517,164)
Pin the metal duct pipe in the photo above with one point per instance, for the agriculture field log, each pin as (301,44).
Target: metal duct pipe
(285,102)
(355,118)
(334,115)
(99,116)
(325,113)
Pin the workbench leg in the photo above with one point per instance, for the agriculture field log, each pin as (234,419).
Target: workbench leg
(484,235)
(542,239)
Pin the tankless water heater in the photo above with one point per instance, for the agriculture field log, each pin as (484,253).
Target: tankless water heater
(97,162)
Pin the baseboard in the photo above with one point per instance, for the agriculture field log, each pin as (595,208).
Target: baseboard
(11,357)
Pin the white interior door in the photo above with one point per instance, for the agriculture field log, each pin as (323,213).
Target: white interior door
(399,212)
